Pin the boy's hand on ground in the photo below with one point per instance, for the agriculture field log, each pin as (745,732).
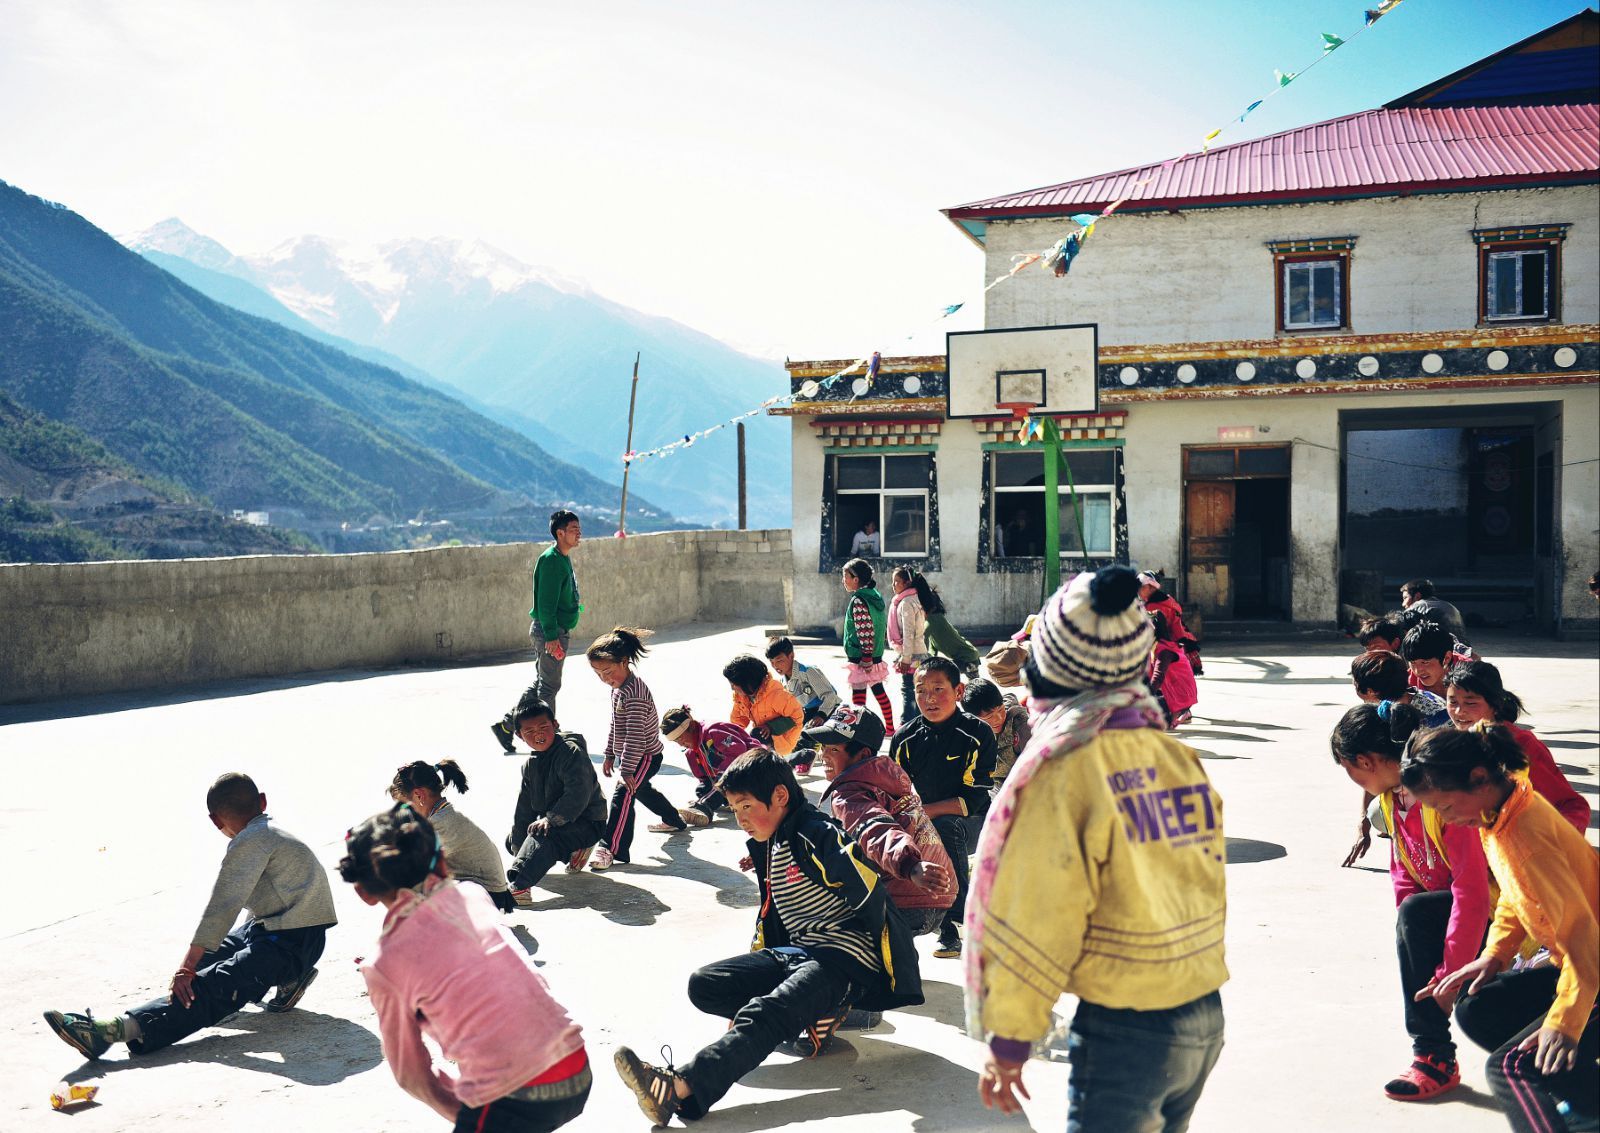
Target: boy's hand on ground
(931,876)
(1553,1051)
(999,1085)
(1363,844)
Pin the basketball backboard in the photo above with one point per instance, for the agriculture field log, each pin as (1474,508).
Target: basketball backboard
(1053,368)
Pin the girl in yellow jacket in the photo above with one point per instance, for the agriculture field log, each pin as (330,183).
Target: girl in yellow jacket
(1540,1020)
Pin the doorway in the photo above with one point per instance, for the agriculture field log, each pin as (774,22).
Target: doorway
(1236,532)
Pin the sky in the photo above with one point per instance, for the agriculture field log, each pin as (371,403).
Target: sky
(769,174)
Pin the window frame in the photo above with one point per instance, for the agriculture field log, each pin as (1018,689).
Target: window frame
(882,491)
(996,489)
(1284,262)
(1491,250)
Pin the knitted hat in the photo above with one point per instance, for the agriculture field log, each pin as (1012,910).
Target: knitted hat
(1092,632)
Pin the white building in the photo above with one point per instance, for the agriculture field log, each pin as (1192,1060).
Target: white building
(1329,360)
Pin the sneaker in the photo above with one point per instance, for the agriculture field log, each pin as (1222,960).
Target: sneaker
(523,898)
(502,735)
(1182,718)
(289,994)
(652,1085)
(78,1032)
(602,859)
(579,859)
(817,1036)
(1427,1077)
(694,817)
(949,946)
(666,828)
(858,1019)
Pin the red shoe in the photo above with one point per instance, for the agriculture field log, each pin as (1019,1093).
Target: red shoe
(1427,1078)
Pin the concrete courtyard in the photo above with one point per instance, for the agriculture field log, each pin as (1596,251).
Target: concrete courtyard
(110,858)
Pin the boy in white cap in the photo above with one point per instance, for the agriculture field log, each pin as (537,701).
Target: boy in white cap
(1101,875)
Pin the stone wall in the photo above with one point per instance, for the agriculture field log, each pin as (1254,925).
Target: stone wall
(83,628)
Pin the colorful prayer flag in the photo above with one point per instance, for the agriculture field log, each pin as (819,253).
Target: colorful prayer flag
(1330,42)
(1285,77)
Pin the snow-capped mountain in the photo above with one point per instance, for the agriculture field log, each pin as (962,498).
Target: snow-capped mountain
(542,347)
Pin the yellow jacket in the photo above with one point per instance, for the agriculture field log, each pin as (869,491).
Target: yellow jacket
(1550,889)
(1110,887)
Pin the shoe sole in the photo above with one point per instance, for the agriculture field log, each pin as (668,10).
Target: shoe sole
(58,1024)
(947,953)
(278,1007)
(630,1069)
(694,818)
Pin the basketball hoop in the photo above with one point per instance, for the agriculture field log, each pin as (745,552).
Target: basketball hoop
(1017,409)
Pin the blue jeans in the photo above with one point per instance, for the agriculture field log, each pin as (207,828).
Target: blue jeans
(1140,1071)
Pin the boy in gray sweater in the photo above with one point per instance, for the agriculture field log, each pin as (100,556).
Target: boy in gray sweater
(268,872)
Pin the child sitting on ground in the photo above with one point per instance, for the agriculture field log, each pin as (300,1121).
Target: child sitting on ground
(872,798)
(473,856)
(1540,1020)
(634,741)
(826,939)
(811,687)
(762,705)
(1008,718)
(1474,696)
(710,749)
(1441,888)
(267,872)
(445,967)
(560,812)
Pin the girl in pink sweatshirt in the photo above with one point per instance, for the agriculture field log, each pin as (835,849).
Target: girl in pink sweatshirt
(445,966)
(1441,890)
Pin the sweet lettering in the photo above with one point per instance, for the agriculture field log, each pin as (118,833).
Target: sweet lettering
(1168,813)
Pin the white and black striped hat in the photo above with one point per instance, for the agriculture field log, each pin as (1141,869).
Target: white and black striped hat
(1092,633)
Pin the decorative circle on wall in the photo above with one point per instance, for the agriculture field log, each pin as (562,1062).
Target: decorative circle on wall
(860,386)
(912,384)
(1187,373)
(1245,371)
(1432,363)
(1566,356)
(809,389)
(1306,368)
(1128,375)
(1498,360)
(1367,366)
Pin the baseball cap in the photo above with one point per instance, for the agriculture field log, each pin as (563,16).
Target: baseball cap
(850,725)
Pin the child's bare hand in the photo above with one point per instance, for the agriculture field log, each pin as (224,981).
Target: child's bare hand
(999,1085)
(931,876)
(1471,976)
(1363,843)
(183,988)
(1553,1051)
(608,767)
(747,863)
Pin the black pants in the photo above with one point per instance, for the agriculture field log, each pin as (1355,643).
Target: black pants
(771,996)
(952,831)
(1419,928)
(1511,1007)
(517,1113)
(709,800)
(249,962)
(538,854)
(619,824)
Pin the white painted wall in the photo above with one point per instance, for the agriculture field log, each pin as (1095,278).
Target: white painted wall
(1204,275)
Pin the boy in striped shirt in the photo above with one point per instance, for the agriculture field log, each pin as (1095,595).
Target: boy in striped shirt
(826,939)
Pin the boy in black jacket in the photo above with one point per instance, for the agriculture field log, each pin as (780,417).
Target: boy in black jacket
(826,939)
(950,756)
(560,811)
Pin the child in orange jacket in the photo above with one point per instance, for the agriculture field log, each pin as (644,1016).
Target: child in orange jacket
(762,705)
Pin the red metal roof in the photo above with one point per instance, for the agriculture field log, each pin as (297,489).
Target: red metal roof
(1410,148)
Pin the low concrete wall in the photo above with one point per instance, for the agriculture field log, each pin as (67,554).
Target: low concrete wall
(83,628)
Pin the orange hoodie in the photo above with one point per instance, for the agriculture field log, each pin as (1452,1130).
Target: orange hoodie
(1549,880)
(772,702)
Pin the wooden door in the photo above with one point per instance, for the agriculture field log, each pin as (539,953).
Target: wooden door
(1208,545)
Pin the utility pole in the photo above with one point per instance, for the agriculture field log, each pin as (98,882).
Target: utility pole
(741,478)
(627,461)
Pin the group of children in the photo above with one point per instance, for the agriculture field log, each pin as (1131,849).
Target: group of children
(1497,889)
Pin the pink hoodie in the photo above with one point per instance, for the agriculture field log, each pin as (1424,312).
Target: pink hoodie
(445,965)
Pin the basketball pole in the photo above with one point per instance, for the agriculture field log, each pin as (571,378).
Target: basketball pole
(1053,465)
(627,463)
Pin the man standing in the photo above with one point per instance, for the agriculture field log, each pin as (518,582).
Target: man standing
(554,614)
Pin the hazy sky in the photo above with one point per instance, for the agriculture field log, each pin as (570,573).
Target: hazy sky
(771,174)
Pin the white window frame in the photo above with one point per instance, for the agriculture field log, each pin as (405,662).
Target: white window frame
(882,493)
(1518,255)
(996,489)
(1338,265)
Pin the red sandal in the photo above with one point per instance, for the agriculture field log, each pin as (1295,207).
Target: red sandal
(1428,1077)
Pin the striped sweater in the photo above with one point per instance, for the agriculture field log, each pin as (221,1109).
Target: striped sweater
(635,737)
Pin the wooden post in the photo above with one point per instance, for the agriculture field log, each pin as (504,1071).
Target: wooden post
(741,478)
(627,464)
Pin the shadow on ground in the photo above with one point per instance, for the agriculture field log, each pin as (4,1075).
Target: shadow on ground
(1242,851)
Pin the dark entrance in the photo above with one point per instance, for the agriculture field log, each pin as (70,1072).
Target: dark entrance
(1236,531)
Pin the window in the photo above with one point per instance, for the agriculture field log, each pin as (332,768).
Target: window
(1312,283)
(1517,282)
(1016,515)
(891,493)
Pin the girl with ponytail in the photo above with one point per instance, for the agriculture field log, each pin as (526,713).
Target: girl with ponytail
(471,853)
(1540,1019)
(1441,890)
(446,966)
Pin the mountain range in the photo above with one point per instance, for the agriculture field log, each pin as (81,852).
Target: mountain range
(243,413)
(539,352)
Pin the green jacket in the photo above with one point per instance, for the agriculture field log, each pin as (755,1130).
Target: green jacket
(856,646)
(942,637)
(555,594)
